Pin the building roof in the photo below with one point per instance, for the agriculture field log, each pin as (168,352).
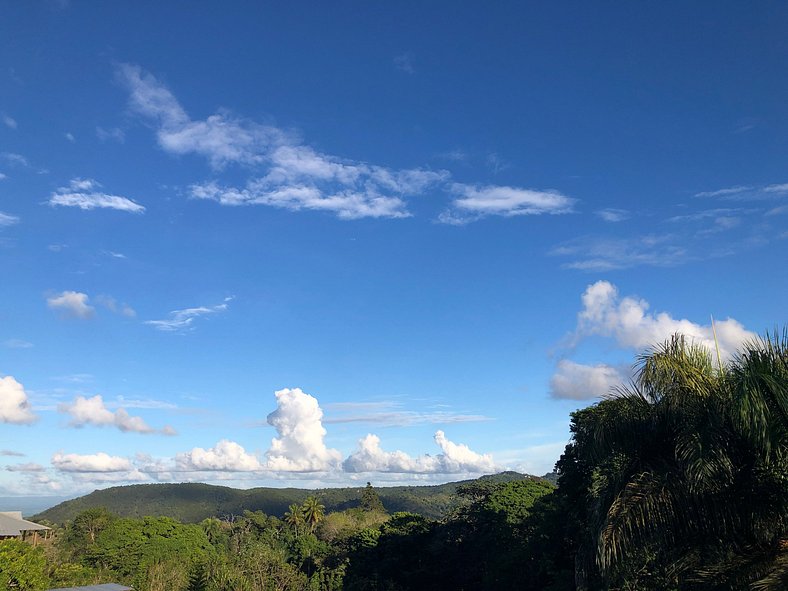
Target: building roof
(12,524)
(102,587)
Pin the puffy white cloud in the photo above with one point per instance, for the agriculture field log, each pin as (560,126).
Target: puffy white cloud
(99,462)
(628,321)
(86,194)
(14,405)
(298,177)
(226,456)
(456,458)
(181,320)
(300,446)
(72,303)
(93,411)
(581,382)
(472,202)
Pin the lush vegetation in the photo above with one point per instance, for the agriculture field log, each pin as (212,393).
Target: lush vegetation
(677,483)
(192,502)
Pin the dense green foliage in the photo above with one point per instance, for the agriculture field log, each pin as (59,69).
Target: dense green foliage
(677,483)
(192,502)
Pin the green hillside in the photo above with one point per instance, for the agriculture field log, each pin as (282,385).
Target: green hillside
(191,502)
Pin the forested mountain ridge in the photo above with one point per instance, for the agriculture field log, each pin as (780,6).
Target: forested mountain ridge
(193,502)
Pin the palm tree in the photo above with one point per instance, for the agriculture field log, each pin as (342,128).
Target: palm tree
(689,471)
(294,517)
(313,512)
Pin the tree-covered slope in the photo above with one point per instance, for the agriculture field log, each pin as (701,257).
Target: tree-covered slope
(192,502)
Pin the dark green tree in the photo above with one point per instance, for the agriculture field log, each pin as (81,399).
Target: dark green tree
(22,567)
(685,473)
(370,501)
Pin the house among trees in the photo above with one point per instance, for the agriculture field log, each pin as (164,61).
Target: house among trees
(13,526)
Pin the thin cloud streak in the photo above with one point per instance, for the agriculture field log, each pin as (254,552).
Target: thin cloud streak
(183,320)
(85,194)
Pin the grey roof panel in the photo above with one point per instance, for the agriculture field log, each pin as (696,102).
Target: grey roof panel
(12,524)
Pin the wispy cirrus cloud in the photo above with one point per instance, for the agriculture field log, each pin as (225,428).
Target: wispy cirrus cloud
(183,320)
(298,177)
(11,453)
(390,414)
(25,467)
(86,194)
(613,215)
(17,344)
(748,193)
(472,202)
(114,134)
(600,253)
(15,159)
(404,62)
(6,219)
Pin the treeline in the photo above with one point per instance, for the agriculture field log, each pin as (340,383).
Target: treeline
(193,502)
(679,482)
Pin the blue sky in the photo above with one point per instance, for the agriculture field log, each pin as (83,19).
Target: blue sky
(320,244)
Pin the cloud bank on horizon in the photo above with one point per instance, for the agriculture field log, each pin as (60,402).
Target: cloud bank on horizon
(299,448)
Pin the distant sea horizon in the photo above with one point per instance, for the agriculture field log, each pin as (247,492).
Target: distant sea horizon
(30,505)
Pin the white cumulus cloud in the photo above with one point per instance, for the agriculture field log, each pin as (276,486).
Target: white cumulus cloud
(99,462)
(628,321)
(72,303)
(455,459)
(86,194)
(226,456)
(630,324)
(92,411)
(300,445)
(14,405)
(576,381)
